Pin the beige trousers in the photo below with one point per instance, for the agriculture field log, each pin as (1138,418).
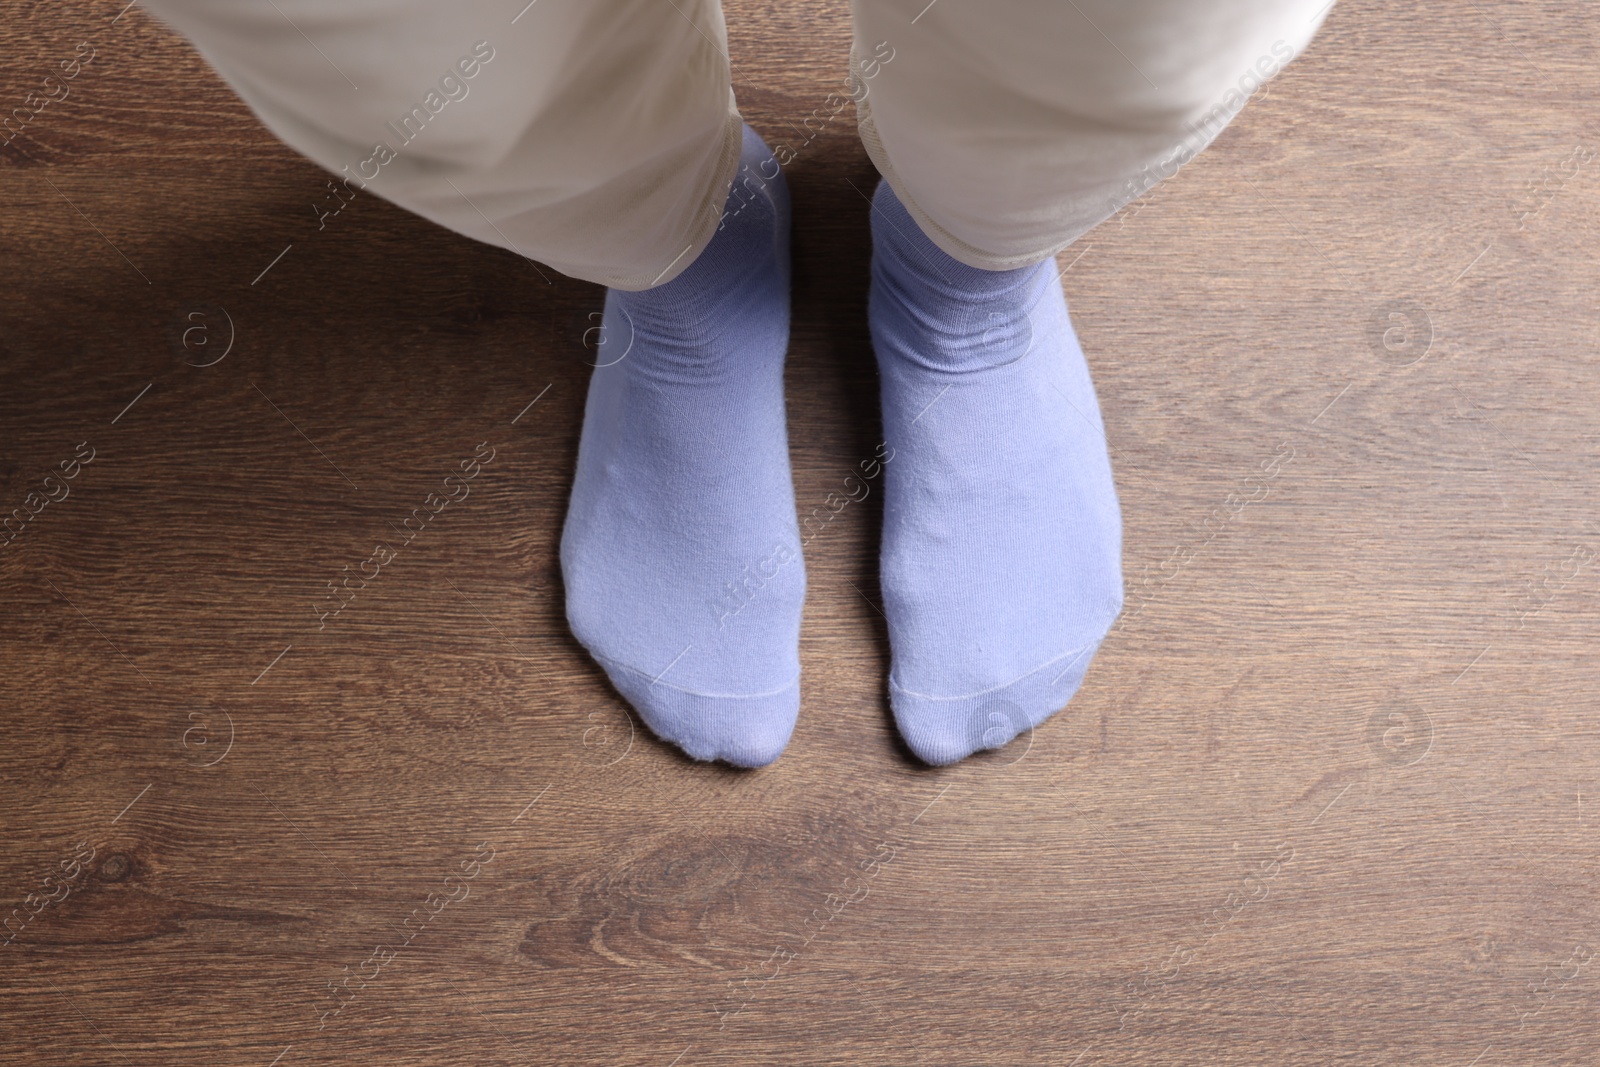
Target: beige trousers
(601,137)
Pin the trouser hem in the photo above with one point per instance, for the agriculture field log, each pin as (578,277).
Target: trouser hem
(708,216)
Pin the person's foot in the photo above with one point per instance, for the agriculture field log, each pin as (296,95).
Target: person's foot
(681,551)
(1002,538)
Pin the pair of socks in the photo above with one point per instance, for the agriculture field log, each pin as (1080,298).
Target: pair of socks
(1001,559)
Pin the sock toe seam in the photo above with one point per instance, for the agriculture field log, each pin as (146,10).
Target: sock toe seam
(608,662)
(1003,685)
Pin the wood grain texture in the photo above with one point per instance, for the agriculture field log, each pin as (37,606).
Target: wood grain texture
(1328,795)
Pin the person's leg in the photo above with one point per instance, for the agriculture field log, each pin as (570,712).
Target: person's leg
(599,137)
(596,136)
(681,551)
(1004,130)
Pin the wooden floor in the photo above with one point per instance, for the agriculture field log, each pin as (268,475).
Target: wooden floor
(1329,794)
